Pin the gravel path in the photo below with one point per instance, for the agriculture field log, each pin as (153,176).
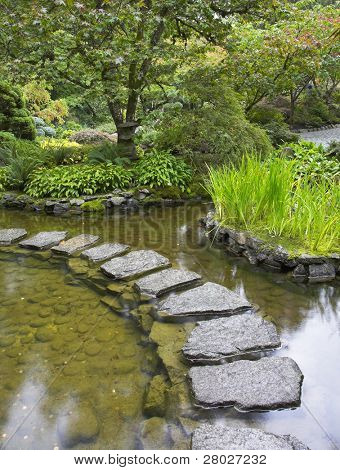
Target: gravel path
(323,136)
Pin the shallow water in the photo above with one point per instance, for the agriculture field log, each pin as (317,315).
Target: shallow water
(65,356)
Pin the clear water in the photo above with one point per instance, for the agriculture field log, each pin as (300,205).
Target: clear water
(65,356)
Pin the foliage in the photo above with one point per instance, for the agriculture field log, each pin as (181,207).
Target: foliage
(6,137)
(311,160)
(3,178)
(312,111)
(62,151)
(273,122)
(40,104)
(107,152)
(284,56)
(77,180)
(161,169)
(14,116)
(268,198)
(21,159)
(112,49)
(209,123)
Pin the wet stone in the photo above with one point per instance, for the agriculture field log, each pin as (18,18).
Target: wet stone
(216,339)
(79,427)
(209,299)
(321,272)
(165,281)
(105,251)
(134,264)
(43,240)
(222,437)
(74,244)
(11,235)
(267,384)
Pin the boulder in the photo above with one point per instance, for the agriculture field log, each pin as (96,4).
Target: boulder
(159,283)
(269,383)
(321,272)
(105,251)
(11,235)
(207,300)
(155,402)
(80,426)
(155,434)
(43,240)
(222,437)
(217,339)
(134,264)
(74,244)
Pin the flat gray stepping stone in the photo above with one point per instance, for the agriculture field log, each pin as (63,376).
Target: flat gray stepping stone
(11,235)
(105,251)
(74,244)
(135,264)
(165,281)
(43,240)
(267,384)
(222,437)
(209,299)
(216,339)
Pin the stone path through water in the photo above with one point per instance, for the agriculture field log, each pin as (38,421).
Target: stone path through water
(231,329)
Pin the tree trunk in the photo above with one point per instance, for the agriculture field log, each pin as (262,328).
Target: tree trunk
(292,109)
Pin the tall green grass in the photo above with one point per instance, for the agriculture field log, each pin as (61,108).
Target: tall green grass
(269,198)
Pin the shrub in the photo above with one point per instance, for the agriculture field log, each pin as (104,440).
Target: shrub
(108,152)
(77,180)
(90,136)
(14,116)
(312,111)
(21,159)
(161,169)
(6,137)
(3,178)
(311,160)
(269,198)
(211,127)
(62,151)
(273,122)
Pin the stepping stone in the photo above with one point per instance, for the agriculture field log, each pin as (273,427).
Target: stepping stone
(74,244)
(43,240)
(135,264)
(267,384)
(209,299)
(105,251)
(160,283)
(214,340)
(11,235)
(222,437)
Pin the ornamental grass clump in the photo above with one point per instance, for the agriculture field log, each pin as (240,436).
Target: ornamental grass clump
(270,198)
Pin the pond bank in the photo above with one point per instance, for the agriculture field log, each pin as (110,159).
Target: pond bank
(274,258)
(128,200)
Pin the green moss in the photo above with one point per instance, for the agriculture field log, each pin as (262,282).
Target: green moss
(93,206)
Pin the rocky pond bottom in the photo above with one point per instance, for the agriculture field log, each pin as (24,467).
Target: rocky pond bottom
(70,383)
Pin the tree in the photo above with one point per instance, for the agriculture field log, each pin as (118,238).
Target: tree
(284,57)
(110,47)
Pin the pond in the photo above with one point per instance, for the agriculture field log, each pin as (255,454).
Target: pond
(65,354)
